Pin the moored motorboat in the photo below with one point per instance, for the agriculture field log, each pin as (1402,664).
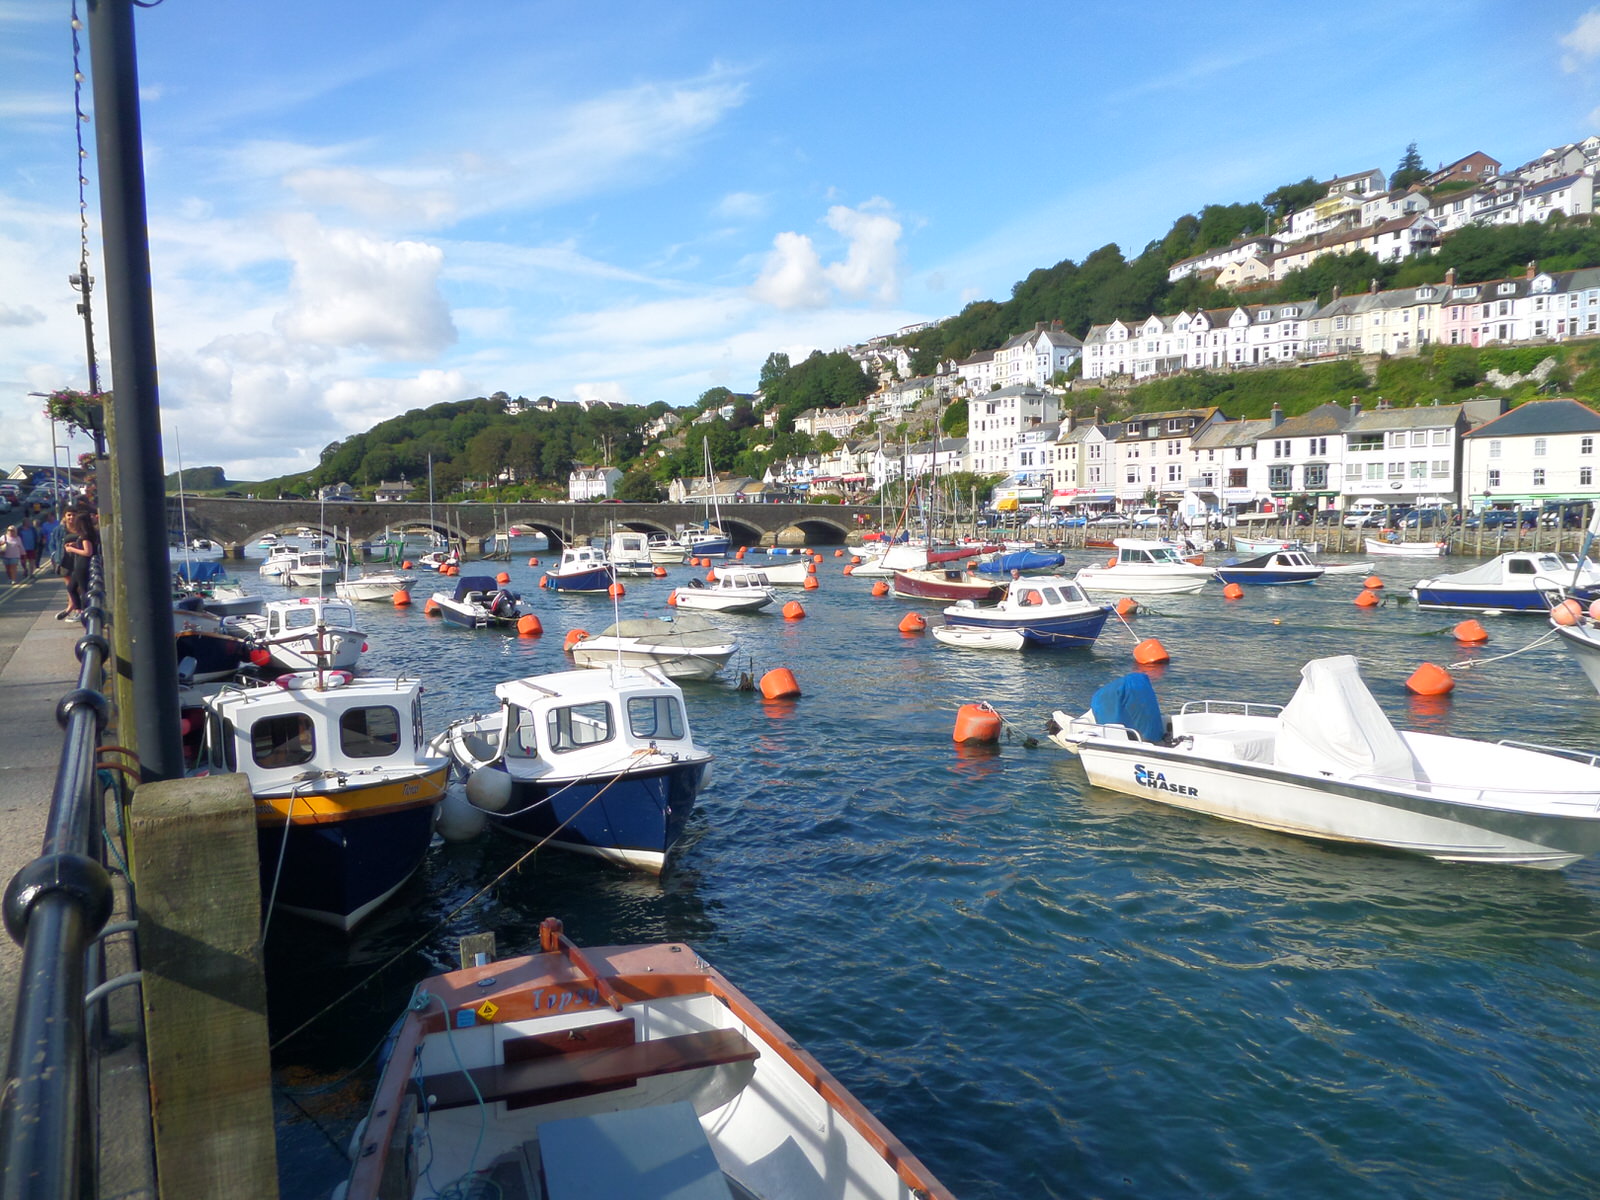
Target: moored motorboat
(1049,612)
(477,602)
(219,592)
(789,573)
(1021,560)
(1516,581)
(629,552)
(1581,638)
(374,586)
(681,646)
(305,634)
(666,551)
(705,543)
(209,645)
(345,789)
(600,762)
(1276,567)
(580,569)
(313,568)
(1145,568)
(948,584)
(616,1071)
(1331,766)
(734,590)
(1264,545)
(1399,549)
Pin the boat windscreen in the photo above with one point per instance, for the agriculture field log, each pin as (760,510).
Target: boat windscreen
(1131,701)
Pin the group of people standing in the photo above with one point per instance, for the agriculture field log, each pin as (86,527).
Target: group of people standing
(65,547)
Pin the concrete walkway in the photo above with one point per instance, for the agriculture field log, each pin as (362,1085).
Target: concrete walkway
(37,668)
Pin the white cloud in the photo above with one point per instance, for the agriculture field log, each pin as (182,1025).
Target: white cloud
(351,290)
(25,314)
(1583,43)
(741,206)
(393,201)
(609,390)
(792,276)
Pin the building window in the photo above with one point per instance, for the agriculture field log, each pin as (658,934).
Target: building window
(1280,449)
(1397,470)
(1419,470)
(1585,476)
(1318,447)
(1374,471)
(1280,479)
(1316,479)
(1540,445)
(1586,445)
(1538,477)
(1441,468)
(1494,449)
(1493,479)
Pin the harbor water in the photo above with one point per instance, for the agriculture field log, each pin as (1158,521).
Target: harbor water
(1046,990)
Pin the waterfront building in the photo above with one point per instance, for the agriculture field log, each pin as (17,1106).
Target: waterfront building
(995,419)
(1543,451)
(593,483)
(1152,455)
(1405,456)
(1226,473)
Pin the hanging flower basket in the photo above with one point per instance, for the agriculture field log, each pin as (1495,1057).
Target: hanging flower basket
(80,412)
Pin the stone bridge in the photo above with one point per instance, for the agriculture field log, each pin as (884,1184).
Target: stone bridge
(243,522)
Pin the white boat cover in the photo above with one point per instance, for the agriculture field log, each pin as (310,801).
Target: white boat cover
(1334,727)
(1516,566)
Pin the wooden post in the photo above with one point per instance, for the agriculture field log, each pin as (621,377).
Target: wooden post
(194,865)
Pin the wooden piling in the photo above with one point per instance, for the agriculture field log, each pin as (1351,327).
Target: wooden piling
(194,866)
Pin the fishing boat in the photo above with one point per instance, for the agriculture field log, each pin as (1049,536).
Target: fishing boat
(376,585)
(1271,569)
(948,584)
(219,592)
(629,553)
(614,1071)
(435,560)
(345,789)
(734,590)
(1021,560)
(599,762)
(681,646)
(313,568)
(789,573)
(208,646)
(1516,581)
(1399,549)
(705,543)
(477,602)
(1145,568)
(580,569)
(665,550)
(306,634)
(1049,612)
(281,556)
(1330,765)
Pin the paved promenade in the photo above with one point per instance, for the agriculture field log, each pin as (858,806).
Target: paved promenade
(37,668)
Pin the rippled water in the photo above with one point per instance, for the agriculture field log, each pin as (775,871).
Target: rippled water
(1047,990)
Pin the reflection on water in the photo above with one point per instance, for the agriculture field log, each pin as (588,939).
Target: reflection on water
(1049,990)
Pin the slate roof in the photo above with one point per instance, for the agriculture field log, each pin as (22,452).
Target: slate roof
(1541,417)
(1324,420)
(1422,416)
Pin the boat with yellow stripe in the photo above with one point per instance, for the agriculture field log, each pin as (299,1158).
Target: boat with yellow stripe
(345,788)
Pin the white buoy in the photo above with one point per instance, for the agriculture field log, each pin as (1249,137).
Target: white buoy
(489,789)
(457,819)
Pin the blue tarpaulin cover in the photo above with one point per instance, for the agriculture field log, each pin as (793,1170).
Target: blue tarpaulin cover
(1130,701)
(201,572)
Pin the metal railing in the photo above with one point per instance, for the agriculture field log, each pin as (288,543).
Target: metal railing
(55,908)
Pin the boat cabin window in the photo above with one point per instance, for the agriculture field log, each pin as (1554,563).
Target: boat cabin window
(369,732)
(655,717)
(1029,598)
(522,742)
(579,725)
(283,741)
(1051,596)
(1519,566)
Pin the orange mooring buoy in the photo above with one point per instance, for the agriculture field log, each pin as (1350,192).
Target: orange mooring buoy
(811,583)
(659,572)
(1127,606)
(779,684)
(711,575)
(839,553)
(406,566)
(1471,633)
(1372,583)
(849,570)
(1430,680)
(533,562)
(855,561)
(402,598)
(1149,652)
(880,588)
(1568,612)
(616,591)
(672,598)
(529,625)
(1232,592)
(431,608)
(794,611)
(574,636)
(741,551)
(976,723)
(502,578)
(913,623)
(1367,598)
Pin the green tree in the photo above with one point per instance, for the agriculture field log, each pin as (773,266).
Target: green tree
(638,487)
(954,419)
(1410,169)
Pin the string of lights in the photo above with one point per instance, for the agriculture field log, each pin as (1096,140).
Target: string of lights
(83,282)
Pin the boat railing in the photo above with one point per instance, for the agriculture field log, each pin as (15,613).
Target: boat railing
(1232,708)
(56,908)
(1590,760)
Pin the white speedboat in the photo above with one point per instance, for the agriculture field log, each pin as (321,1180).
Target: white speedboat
(478,602)
(792,572)
(683,646)
(666,551)
(600,762)
(281,556)
(314,568)
(1270,569)
(305,634)
(736,589)
(376,585)
(1330,765)
(345,789)
(581,569)
(614,1071)
(1145,568)
(1582,641)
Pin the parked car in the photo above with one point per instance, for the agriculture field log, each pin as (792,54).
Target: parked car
(1146,518)
(1365,516)
(1421,518)
(1109,518)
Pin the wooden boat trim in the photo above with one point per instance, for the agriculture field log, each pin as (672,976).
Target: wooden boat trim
(354,801)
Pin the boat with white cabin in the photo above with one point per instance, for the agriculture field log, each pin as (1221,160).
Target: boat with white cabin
(734,590)
(580,569)
(1330,765)
(305,634)
(1274,568)
(630,1072)
(1142,567)
(1048,612)
(1516,581)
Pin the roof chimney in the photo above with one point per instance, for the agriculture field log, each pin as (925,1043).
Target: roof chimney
(1532,263)
(1382,404)
(1450,277)
(1355,406)
(1277,414)
(1372,285)
(1336,291)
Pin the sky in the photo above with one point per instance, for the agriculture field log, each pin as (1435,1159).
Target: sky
(360,208)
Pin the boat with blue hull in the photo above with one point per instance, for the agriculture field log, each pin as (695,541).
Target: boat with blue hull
(581,569)
(1516,581)
(598,762)
(1047,612)
(1273,569)
(1021,560)
(345,788)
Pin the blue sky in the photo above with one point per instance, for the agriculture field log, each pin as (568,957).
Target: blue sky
(362,208)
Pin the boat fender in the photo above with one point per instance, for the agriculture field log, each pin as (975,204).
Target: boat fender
(489,788)
(1568,612)
(457,819)
(307,680)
